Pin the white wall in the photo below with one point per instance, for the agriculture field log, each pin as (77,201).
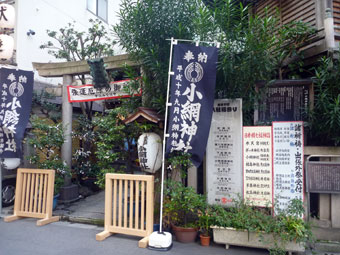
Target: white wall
(40,15)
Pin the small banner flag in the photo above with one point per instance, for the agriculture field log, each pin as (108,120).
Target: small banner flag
(192,98)
(15,108)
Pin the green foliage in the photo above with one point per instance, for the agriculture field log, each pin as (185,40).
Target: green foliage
(47,141)
(205,219)
(180,161)
(182,204)
(41,101)
(116,150)
(143,29)
(325,116)
(285,226)
(84,161)
(252,49)
(72,45)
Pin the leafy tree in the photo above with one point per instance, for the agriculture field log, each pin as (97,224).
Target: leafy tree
(252,49)
(143,31)
(325,115)
(47,140)
(72,45)
(116,149)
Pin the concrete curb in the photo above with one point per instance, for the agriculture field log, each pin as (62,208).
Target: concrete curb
(91,221)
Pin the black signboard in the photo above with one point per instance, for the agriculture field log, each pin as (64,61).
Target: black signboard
(323,177)
(284,101)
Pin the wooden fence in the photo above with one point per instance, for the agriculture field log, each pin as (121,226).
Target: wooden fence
(34,195)
(128,206)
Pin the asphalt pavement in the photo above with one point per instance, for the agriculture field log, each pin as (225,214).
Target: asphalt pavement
(23,237)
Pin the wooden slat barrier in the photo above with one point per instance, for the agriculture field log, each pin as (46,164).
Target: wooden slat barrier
(34,195)
(128,206)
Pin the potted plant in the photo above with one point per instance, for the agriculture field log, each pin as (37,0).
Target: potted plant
(205,221)
(181,207)
(245,225)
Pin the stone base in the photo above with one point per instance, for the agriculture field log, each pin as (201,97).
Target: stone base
(68,194)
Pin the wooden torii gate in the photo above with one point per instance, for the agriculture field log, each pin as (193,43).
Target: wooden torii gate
(67,70)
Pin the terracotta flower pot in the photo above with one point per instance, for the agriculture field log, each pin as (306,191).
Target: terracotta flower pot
(184,235)
(205,240)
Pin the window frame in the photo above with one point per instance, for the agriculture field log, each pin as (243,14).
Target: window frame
(96,9)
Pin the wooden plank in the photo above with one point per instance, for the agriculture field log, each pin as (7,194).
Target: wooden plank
(129,177)
(296,11)
(128,231)
(149,206)
(23,190)
(120,203)
(131,205)
(137,205)
(12,218)
(40,171)
(126,183)
(144,242)
(47,220)
(108,203)
(36,193)
(114,223)
(31,215)
(27,195)
(49,198)
(288,6)
(41,184)
(103,235)
(18,192)
(142,212)
(81,67)
(298,17)
(45,194)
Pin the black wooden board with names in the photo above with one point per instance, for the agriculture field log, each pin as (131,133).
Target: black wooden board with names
(284,101)
(323,177)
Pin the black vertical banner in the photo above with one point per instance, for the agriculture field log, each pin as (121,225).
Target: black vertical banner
(16,88)
(192,98)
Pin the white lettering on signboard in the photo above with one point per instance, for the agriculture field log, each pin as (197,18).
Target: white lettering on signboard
(257,165)
(224,153)
(288,162)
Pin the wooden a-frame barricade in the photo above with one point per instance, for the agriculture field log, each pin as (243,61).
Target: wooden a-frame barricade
(34,195)
(129,206)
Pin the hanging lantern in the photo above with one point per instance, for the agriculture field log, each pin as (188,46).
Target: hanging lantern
(11,163)
(7,16)
(6,47)
(150,152)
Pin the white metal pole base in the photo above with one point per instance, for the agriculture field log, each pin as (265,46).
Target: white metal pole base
(161,241)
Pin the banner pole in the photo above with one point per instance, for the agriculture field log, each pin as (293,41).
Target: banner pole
(165,134)
(0,187)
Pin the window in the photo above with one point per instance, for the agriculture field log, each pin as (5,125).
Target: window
(98,7)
